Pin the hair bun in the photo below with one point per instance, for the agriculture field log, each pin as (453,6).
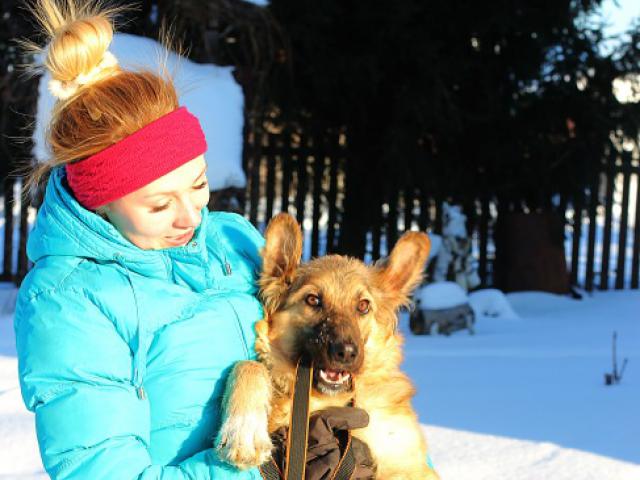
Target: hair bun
(102,103)
(79,37)
(65,89)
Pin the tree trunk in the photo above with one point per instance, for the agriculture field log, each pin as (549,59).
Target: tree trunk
(530,253)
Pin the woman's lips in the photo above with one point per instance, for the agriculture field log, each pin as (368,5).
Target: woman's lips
(180,239)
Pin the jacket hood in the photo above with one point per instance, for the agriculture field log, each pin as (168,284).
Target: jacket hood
(65,228)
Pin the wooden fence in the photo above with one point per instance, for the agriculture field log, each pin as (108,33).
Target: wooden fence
(292,172)
(289,172)
(16,227)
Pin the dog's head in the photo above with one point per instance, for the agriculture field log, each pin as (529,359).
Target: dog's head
(334,308)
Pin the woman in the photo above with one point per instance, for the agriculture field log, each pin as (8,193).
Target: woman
(139,300)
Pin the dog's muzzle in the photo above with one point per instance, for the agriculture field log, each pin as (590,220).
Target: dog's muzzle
(335,348)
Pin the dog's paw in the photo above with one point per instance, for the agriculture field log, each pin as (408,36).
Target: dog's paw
(244,441)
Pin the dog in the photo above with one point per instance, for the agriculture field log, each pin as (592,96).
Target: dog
(344,315)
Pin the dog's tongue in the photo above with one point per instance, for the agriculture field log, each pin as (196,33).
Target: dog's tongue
(333,375)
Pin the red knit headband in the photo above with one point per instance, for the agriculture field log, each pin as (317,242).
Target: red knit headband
(135,161)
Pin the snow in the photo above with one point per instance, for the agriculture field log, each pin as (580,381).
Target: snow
(470,456)
(532,391)
(209,91)
(490,302)
(436,245)
(440,295)
(520,400)
(453,221)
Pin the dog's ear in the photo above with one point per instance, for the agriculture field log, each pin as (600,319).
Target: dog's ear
(402,271)
(281,256)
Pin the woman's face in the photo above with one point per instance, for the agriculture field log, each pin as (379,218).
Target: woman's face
(166,212)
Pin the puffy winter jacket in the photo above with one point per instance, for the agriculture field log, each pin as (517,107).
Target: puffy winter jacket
(123,352)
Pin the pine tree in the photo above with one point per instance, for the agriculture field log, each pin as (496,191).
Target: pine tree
(455,98)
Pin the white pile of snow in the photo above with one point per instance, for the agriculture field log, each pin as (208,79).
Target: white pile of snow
(436,244)
(490,302)
(440,295)
(19,457)
(209,92)
(471,456)
(18,445)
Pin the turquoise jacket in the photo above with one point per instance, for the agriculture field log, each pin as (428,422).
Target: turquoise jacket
(123,352)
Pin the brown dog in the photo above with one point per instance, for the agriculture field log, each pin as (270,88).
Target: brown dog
(344,314)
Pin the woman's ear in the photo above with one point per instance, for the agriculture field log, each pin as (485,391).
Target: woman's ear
(281,257)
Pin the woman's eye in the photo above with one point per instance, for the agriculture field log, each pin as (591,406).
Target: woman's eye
(312,300)
(363,307)
(159,208)
(201,186)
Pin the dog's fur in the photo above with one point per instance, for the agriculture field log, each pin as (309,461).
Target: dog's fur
(258,396)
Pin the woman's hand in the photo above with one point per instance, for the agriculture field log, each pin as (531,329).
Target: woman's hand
(327,434)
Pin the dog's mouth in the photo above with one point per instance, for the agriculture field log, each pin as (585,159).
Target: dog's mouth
(331,382)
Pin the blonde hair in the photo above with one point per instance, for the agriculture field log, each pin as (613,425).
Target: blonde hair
(98,102)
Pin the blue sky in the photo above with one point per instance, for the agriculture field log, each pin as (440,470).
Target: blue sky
(620,13)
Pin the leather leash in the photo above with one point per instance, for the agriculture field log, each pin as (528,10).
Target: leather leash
(297,438)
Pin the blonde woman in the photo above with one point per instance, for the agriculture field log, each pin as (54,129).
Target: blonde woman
(139,300)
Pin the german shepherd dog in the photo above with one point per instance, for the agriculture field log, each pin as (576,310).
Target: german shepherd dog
(344,315)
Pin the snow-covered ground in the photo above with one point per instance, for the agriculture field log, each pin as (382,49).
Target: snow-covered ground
(532,391)
(523,399)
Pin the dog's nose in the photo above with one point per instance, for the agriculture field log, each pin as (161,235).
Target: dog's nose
(343,352)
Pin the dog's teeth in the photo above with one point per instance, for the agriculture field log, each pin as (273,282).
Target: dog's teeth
(334,377)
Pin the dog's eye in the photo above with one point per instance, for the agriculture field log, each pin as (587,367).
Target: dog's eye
(363,307)
(312,300)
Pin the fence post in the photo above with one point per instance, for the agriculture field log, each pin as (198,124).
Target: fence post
(591,242)
(23,262)
(483,233)
(578,202)
(392,219)
(408,207)
(635,259)
(271,175)
(7,265)
(622,232)
(334,159)
(286,169)
(253,161)
(608,219)
(301,177)
(319,154)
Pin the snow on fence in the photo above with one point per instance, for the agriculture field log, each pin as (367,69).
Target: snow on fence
(288,171)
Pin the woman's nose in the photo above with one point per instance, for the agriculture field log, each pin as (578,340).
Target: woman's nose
(188,215)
